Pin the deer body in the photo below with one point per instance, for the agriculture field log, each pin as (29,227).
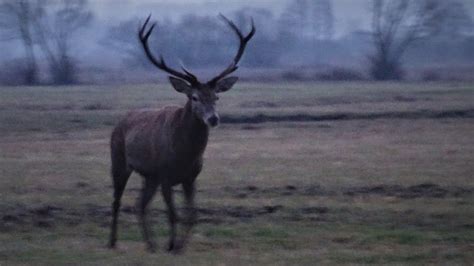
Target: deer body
(171,138)
(166,146)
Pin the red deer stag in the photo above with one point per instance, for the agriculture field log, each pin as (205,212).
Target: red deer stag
(166,146)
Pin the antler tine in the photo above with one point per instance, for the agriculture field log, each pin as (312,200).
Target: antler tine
(232,25)
(187,71)
(243,44)
(143,36)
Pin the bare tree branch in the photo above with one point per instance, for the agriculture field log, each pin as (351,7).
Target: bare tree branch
(55,28)
(16,23)
(396,25)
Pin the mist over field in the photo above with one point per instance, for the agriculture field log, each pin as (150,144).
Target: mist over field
(301,40)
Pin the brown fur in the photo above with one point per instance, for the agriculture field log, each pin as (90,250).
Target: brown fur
(165,147)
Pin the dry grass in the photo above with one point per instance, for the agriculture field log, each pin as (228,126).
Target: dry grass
(329,192)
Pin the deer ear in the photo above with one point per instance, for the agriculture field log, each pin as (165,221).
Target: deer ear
(180,85)
(226,84)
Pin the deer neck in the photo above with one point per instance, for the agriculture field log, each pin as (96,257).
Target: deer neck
(193,131)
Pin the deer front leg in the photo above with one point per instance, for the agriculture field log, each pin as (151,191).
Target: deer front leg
(148,191)
(167,192)
(191,213)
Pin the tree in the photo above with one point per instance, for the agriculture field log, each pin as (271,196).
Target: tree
(56,27)
(304,27)
(17,18)
(291,35)
(289,24)
(122,39)
(396,25)
(312,19)
(458,22)
(197,41)
(323,19)
(48,25)
(194,40)
(260,53)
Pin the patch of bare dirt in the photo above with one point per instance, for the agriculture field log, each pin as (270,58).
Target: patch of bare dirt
(23,217)
(288,190)
(422,114)
(426,190)
(256,104)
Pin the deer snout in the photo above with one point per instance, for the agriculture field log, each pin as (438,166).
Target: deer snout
(213,120)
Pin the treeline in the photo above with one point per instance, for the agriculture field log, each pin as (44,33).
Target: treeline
(59,42)
(45,30)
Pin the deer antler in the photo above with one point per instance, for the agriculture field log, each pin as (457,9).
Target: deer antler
(144,35)
(243,43)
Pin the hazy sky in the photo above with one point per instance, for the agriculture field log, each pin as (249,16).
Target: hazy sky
(349,14)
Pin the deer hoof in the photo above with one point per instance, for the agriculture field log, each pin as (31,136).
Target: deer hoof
(175,248)
(111,245)
(151,247)
(170,246)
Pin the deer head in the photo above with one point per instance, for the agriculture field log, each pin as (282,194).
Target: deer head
(201,95)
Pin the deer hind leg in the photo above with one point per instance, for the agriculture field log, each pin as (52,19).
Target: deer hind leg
(150,185)
(120,175)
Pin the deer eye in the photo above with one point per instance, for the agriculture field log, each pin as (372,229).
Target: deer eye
(195,98)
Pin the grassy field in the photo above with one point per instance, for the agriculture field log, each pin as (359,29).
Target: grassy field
(378,173)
